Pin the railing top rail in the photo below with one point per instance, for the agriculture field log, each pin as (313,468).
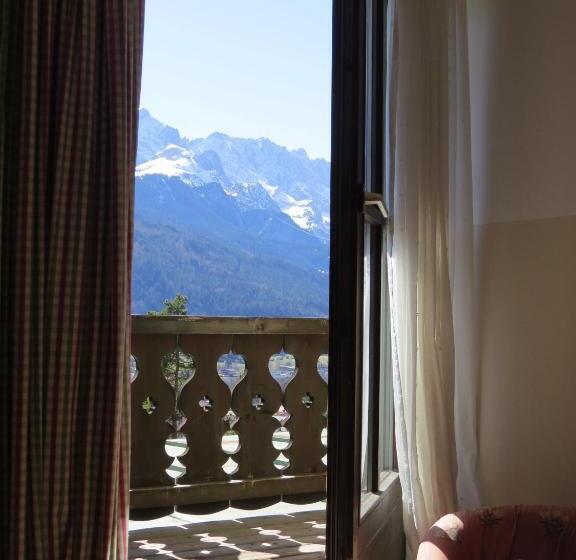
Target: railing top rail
(174,324)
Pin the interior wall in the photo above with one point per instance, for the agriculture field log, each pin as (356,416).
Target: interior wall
(523,83)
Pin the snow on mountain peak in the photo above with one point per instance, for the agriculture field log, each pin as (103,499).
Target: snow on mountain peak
(173,151)
(164,166)
(256,173)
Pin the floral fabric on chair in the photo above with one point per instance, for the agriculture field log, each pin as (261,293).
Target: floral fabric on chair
(506,533)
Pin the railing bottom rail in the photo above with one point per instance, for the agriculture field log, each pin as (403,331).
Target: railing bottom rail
(288,488)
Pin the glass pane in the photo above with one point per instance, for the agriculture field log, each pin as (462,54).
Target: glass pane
(386,399)
(366,358)
(377,401)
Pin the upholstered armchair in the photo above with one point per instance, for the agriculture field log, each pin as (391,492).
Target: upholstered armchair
(505,533)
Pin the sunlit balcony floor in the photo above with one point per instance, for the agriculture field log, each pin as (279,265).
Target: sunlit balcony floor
(295,535)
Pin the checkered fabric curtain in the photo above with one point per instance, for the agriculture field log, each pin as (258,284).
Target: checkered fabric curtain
(69,87)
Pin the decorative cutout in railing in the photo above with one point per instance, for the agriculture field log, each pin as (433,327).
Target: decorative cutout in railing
(281,439)
(230,467)
(176,419)
(148,405)
(133,368)
(205,403)
(324,440)
(257,402)
(322,367)
(307,400)
(178,368)
(231,418)
(282,415)
(230,442)
(253,414)
(282,368)
(231,369)
(176,446)
(282,462)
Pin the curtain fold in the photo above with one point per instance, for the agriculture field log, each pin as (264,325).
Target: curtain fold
(70,75)
(431,260)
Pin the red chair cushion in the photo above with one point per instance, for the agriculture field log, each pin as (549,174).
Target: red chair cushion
(506,533)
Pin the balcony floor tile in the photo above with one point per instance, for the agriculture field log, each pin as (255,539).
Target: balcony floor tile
(298,535)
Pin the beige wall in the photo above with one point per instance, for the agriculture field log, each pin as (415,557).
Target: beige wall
(523,81)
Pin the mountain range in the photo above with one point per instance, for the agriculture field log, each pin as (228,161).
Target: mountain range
(240,226)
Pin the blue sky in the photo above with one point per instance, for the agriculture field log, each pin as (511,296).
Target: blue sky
(249,68)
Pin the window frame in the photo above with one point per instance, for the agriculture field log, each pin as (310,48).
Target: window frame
(359,172)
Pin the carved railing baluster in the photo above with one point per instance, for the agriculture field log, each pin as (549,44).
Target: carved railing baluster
(205,402)
(307,399)
(152,402)
(255,401)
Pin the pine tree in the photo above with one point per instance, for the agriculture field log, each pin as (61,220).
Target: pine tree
(176,306)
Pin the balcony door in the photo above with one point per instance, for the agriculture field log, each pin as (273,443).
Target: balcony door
(364,512)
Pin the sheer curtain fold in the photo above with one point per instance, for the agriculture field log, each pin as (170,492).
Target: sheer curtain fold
(70,78)
(431,260)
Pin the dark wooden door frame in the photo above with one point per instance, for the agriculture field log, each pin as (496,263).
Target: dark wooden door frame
(346,208)
(358,163)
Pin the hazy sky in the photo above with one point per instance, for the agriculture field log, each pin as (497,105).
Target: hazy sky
(248,68)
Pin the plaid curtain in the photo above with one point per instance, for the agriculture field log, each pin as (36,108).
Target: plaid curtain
(69,87)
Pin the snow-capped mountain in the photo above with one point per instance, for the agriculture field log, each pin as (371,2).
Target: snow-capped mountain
(153,136)
(240,226)
(300,186)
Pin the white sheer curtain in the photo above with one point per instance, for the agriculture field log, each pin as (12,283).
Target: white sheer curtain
(432,260)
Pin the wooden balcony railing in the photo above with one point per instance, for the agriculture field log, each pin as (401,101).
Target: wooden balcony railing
(227,412)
